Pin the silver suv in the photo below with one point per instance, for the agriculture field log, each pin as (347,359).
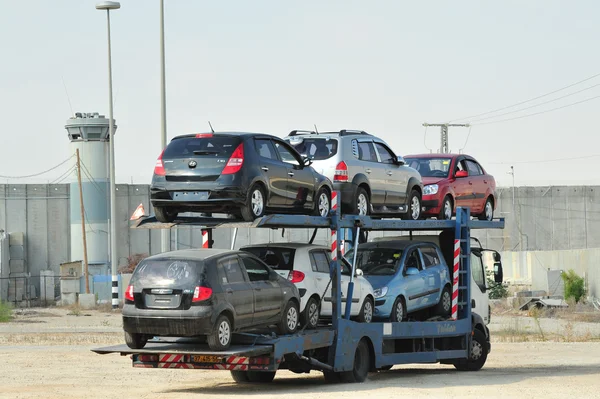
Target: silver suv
(370,177)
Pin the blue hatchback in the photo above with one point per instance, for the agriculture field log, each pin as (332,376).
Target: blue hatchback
(407,276)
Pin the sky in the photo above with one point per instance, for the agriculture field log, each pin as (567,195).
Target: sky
(385,67)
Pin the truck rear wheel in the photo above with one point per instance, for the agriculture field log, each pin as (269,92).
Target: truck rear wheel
(362,362)
(478,353)
(252,376)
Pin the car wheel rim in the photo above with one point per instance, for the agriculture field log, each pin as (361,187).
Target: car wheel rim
(447,210)
(224,332)
(488,210)
(323,205)
(446,301)
(476,350)
(368,312)
(415,208)
(362,205)
(257,202)
(313,314)
(399,312)
(292,318)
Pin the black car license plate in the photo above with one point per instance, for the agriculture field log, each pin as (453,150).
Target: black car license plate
(190,195)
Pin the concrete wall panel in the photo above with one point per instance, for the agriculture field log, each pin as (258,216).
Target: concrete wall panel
(139,239)
(59,240)
(37,229)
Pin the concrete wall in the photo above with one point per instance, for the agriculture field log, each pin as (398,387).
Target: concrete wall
(542,219)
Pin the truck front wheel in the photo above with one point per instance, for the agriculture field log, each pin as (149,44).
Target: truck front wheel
(478,353)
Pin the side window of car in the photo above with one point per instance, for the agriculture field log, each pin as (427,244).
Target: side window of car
(413,260)
(233,271)
(286,154)
(477,270)
(385,154)
(319,262)
(366,151)
(431,257)
(460,165)
(265,149)
(473,168)
(256,271)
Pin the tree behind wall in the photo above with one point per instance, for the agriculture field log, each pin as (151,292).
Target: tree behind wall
(574,285)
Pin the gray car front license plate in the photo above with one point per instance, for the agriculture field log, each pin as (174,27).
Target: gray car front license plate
(190,195)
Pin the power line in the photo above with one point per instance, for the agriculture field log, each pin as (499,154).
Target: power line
(466,140)
(545,160)
(541,112)
(89,176)
(40,173)
(537,105)
(526,101)
(64,176)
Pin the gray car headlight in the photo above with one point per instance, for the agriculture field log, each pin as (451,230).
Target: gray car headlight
(380,292)
(430,189)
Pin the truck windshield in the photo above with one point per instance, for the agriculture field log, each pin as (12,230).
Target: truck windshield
(430,167)
(377,261)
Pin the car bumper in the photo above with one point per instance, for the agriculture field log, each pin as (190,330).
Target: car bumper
(431,204)
(383,308)
(219,198)
(197,320)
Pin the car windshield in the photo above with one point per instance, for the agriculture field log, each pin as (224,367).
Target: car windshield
(168,273)
(316,148)
(430,167)
(377,261)
(215,146)
(276,257)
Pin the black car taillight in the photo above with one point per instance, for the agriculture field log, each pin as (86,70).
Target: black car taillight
(129,293)
(201,294)
(235,161)
(159,168)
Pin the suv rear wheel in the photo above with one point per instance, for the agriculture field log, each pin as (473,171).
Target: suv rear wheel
(414,206)
(361,205)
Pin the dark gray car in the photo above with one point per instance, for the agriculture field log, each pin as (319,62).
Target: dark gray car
(206,292)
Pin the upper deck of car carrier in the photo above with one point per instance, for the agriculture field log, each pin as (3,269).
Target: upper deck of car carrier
(334,349)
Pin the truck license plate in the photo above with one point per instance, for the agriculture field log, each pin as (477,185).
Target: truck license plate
(190,195)
(206,359)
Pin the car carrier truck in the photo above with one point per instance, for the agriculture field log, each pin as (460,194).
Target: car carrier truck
(344,350)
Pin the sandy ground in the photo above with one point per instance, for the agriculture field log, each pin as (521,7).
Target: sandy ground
(46,354)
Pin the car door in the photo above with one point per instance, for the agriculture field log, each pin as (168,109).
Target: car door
(268,295)
(319,262)
(300,187)
(274,172)
(396,180)
(432,269)
(237,289)
(374,171)
(414,285)
(462,186)
(478,187)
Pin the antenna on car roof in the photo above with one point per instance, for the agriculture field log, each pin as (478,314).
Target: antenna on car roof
(316,131)
(211,128)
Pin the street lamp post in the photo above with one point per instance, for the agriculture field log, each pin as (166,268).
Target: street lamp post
(112,5)
(165,233)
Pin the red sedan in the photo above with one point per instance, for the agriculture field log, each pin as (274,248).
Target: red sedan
(452,180)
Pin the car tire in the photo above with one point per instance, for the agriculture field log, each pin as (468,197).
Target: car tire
(414,206)
(220,337)
(478,353)
(488,210)
(322,203)
(444,306)
(361,204)
(366,311)
(310,316)
(289,319)
(361,366)
(447,209)
(135,341)
(164,214)
(398,310)
(255,204)
(239,376)
(261,376)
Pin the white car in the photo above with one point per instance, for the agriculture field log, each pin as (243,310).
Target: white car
(307,266)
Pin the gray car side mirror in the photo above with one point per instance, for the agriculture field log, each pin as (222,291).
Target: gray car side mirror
(400,161)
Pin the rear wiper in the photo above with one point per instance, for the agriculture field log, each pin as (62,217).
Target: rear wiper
(206,152)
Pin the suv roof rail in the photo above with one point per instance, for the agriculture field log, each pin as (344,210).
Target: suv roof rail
(347,132)
(301,132)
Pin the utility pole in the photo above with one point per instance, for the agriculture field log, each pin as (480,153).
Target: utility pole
(444,147)
(165,235)
(85,257)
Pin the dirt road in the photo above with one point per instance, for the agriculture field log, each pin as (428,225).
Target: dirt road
(41,367)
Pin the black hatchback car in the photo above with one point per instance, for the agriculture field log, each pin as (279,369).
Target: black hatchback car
(244,174)
(208,293)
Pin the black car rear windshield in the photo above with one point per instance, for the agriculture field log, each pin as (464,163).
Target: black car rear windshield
(377,261)
(277,258)
(430,167)
(218,146)
(168,273)
(316,148)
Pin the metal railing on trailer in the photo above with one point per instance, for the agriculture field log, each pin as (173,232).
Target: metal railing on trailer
(346,350)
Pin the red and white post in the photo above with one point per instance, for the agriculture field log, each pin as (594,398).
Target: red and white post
(204,238)
(334,207)
(455,280)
